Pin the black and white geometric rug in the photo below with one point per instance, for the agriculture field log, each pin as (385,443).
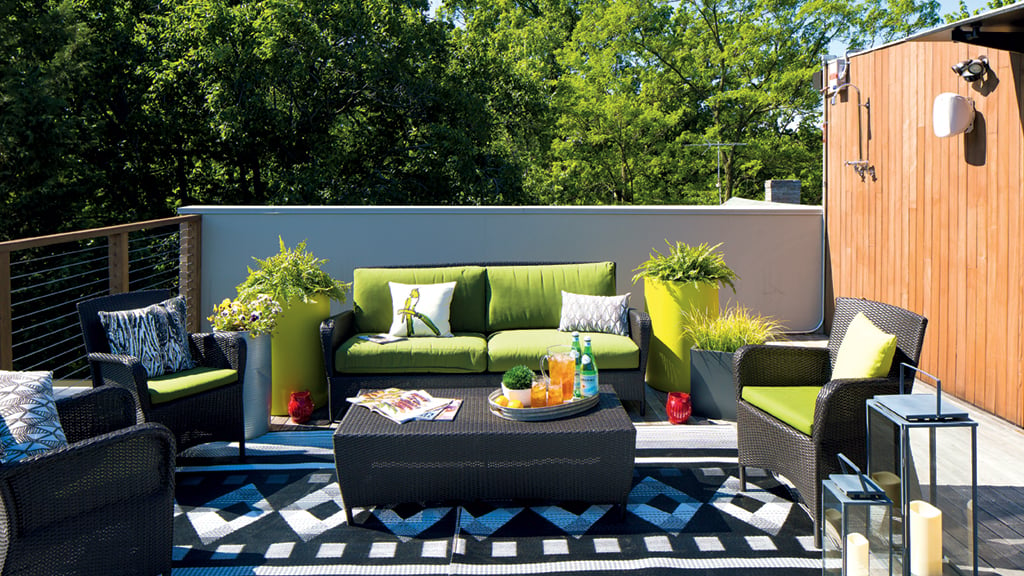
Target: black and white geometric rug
(684,516)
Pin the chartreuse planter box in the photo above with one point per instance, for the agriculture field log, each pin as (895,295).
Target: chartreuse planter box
(297,360)
(667,303)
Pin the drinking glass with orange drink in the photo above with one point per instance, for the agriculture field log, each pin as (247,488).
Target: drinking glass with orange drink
(539,393)
(562,372)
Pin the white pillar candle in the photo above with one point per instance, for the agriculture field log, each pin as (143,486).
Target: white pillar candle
(925,539)
(890,484)
(856,555)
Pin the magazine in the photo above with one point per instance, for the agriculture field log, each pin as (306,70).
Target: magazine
(381,338)
(404,405)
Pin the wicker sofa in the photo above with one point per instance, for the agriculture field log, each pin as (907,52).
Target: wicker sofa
(501,315)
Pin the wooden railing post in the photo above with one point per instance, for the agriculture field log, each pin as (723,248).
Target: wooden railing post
(6,325)
(190,243)
(118,255)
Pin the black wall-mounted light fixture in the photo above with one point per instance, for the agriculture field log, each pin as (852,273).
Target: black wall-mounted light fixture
(972,70)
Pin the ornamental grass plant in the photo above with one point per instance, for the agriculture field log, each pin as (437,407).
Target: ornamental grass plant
(732,329)
(685,263)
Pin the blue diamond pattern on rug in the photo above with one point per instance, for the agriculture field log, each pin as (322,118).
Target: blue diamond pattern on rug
(684,520)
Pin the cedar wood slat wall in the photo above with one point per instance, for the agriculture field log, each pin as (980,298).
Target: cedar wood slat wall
(941,229)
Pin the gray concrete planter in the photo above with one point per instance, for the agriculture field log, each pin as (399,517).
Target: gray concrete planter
(712,389)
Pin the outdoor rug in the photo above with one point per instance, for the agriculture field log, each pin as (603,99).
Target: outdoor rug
(683,517)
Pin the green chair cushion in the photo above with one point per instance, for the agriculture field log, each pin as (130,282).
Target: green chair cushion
(531,296)
(507,348)
(188,383)
(460,354)
(371,297)
(794,405)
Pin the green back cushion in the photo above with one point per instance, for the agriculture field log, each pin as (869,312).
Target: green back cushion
(508,348)
(188,382)
(371,297)
(865,352)
(531,296)
(794,405)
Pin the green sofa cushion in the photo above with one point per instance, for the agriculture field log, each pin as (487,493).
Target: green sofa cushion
(463,353)
(371,297)
(508,348)
(794,405)
(531,296)
(188,382)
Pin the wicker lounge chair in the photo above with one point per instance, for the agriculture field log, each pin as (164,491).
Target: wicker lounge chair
(839,424)
(102,505)
(206,416)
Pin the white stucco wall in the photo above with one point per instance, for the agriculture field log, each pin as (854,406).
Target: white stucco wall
(776,250)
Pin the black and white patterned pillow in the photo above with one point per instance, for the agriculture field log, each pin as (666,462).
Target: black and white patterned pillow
(30,421)
(608,314)
(156,335)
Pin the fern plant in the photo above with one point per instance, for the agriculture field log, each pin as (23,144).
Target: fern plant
(685,263)
(732,329)
(292,274)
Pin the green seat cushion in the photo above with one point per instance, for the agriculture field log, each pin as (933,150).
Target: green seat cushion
(188,382)
(531,296)
(794,405)
(507,348)
(460,354)
(371,296)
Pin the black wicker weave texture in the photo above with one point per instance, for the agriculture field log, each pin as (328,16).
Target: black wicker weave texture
(103,505)
(479,455)
(204,417)
(839,426)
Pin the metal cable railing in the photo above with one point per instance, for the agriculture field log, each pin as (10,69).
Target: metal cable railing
(43,279)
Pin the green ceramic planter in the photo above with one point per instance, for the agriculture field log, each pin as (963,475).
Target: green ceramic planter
(297,360)
(668,365)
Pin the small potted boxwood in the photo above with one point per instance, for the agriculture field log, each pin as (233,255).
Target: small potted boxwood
(516,383)
(712,389)
(685,279)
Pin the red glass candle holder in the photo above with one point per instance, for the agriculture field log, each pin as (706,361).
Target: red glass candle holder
(300,407)
(678,407)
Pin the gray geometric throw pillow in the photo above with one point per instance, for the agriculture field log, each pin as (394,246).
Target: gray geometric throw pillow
(28,415)
(177,356)
(584,313)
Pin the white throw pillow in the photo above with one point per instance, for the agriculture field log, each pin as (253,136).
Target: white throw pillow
(31,423)
(583,313)
(421,309)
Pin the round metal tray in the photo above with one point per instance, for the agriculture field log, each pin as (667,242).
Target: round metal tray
(539,414)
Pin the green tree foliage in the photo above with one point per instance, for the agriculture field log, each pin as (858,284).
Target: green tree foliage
(120,110)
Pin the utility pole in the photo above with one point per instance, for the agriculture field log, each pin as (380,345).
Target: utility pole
(719,146)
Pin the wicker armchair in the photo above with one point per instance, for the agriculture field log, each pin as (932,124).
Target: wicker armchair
(207,416)
(102,505)
(839,424)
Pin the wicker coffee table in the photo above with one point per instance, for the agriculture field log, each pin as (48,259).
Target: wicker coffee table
(480,456)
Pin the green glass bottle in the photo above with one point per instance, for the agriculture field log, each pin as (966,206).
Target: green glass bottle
(577,355)
(588,370)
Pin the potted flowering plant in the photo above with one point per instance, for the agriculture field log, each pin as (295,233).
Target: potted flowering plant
(255,320)
(257,316)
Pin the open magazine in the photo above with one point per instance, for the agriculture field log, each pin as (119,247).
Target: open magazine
(404,405)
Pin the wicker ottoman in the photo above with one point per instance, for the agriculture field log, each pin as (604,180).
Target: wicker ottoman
(587,457)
